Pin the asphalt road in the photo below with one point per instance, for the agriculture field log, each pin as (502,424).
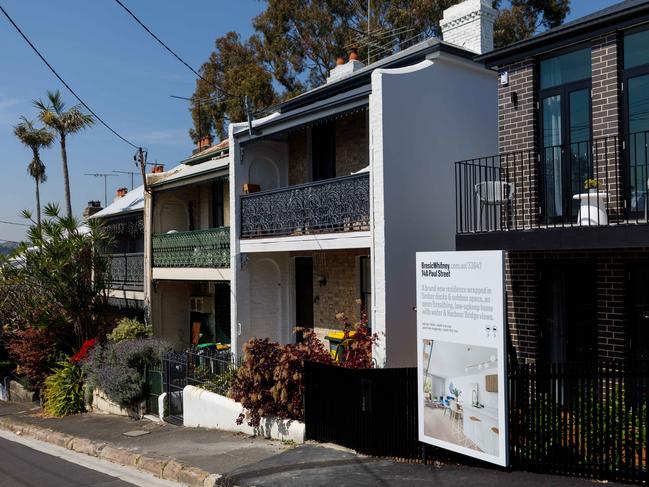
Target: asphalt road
(21,466)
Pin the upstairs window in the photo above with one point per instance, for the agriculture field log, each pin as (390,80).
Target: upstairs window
(636,48)
(565,68)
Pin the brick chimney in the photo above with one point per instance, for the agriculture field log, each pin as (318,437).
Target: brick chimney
(158,168)
(470,25)
(121,192)
(204,143)
(92,208)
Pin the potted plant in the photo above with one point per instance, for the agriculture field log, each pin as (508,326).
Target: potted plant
(592,204)
(454,391)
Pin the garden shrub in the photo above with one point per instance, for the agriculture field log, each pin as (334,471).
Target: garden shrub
(6,368)
(129,329)
(34,351)
(118,368)
(63,390)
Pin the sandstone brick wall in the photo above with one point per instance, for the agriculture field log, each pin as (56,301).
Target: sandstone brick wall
(352,143)
(352,148)
(342,290)
(523,298)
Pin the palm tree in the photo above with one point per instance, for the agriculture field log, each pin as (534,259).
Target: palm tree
(36,139)
(54,115)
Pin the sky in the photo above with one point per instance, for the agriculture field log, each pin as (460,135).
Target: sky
(122,74)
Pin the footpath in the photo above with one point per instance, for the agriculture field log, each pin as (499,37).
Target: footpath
(207,458)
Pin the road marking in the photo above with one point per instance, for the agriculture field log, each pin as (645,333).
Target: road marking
(127,474)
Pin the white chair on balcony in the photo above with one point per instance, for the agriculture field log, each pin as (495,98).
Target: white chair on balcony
(493,195)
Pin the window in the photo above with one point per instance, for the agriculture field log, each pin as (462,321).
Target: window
(217,203)
(565,131)
(636,103)
(323,150)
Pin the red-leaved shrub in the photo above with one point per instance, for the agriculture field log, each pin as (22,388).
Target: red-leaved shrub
(33,350)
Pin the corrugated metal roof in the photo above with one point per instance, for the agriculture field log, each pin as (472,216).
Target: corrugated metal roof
(131,202)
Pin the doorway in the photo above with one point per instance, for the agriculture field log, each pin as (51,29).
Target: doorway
(303,295)
(568,312)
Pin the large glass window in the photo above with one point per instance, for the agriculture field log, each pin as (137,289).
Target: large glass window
(564,94)
(565,68)
(636,48)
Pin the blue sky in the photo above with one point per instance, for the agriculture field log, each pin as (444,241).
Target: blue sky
(122,74)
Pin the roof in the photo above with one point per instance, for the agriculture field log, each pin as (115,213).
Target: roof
(131,202)
(619,15)
(210,153)
(185,171)
(362,77)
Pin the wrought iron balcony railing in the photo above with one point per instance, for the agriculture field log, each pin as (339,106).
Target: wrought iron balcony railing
(198,248)
(583,184)
(334,205)
(126,271)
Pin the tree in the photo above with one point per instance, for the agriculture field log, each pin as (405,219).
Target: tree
(64,123)
(36,139)
(232,72)
(57,279)
(296,43)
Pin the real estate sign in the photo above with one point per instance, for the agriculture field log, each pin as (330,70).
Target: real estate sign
(461,353)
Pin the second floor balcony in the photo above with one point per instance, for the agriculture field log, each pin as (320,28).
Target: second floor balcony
(332,205)
(126,271)
(208,248)
(590,188)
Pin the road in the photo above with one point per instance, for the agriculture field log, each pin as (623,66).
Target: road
(26,462)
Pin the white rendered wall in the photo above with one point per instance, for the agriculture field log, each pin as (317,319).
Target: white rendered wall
(422,119)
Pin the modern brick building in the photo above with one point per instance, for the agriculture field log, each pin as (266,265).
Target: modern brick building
(566,196)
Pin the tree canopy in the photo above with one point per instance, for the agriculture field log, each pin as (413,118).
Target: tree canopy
(296,42)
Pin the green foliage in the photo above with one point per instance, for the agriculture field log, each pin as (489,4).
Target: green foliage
(63,392)
(117,368)
(218,382)
(129,329)
(57,280)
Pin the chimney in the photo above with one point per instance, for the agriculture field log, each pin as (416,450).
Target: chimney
(92,208)
(470,25)
(204,143)
(121,192)
(343,68)
(158,168)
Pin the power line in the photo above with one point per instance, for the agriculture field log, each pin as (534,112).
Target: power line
(62,80)
(15,223)
(218,88)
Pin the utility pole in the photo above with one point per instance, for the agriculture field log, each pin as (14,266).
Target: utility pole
(105,176)
(132,173)
(140,161)
(369,16)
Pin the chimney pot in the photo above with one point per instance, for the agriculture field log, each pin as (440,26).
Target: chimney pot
(204,142)
(158,168)
(121,192)
(340,60)
(353,55)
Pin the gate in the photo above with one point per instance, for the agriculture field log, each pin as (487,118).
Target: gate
(174,366)
(154,385)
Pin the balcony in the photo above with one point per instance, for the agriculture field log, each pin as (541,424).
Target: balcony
(333,205)
(209,248)
(581,195)
(126,271)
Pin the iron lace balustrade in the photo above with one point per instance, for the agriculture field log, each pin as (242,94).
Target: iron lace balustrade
(600,182)
(198,248)
(334,205)
(126,271)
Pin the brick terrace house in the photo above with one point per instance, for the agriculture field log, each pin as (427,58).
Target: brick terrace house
(334,193)
(566,197)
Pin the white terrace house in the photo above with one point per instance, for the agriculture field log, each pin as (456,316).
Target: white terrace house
(334,193)
(188,250)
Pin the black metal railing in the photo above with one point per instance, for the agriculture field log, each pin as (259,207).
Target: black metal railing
(208,369)
(590,183)
(578,419)
(334,205)
(126,271)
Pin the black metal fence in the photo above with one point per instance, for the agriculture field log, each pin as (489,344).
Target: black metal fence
(585,420)
(126,271)
(595,182)
(333,205)
(204,368)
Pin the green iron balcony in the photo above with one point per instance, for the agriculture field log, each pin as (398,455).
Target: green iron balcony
(198,248)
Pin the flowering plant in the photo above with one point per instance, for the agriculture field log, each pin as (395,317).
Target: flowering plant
(592,184)
(83,351)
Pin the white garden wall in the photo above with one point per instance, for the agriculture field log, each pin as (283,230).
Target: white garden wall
(204,409)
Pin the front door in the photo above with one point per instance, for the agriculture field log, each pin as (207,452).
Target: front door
(639,311)
(303,295)
(568,312)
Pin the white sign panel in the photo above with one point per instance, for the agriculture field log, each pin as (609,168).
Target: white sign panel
(461,353)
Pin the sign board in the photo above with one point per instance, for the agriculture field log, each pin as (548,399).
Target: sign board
(461,353)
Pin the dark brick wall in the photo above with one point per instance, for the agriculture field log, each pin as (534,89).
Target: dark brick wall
(523,294)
